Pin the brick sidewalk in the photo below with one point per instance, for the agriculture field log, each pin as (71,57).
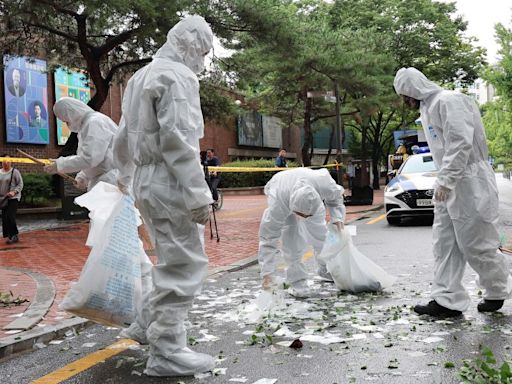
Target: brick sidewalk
(60,254)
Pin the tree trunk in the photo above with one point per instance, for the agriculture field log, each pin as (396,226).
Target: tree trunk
(331,142)
(308,105)
(376,173)
(365,181)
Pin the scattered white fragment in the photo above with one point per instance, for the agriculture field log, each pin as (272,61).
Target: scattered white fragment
(137,373)
(39,345)
(55,342)
(417,354)
(432,339)
(441,333)
(201,376)
(88,345)
(305,356)
(378,335)
(16,315)
(13,332)
(219,371)
(238,379)
(265,381)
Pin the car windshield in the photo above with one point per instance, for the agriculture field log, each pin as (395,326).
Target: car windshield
(419,164)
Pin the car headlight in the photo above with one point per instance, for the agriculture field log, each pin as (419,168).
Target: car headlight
(394,188)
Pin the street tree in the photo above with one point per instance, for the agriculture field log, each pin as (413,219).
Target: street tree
(427,36)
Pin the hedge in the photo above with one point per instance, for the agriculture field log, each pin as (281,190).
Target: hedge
(37,187)
(248,179)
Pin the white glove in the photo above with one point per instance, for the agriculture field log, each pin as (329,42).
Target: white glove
(339,226)
(200,215)
(441,193)
(123,188)
(81,183)
(51,168)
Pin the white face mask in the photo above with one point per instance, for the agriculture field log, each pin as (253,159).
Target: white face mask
(196,65)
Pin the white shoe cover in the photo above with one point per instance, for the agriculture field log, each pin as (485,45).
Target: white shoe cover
(134,332)
(183,362)
(301,289)
(324,273)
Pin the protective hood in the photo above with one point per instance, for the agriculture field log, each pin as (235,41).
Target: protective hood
(305,199)
(188,42)
(72,111)
(411,82)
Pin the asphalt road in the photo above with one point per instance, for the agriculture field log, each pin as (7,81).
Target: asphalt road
(375,337)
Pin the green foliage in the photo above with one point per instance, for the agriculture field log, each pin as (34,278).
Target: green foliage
(248,179)
(498,114)
(485,370)
(500,75)
(498,127)
(37,187)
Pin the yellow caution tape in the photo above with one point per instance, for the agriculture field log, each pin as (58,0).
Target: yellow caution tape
(267,169)
(23,160)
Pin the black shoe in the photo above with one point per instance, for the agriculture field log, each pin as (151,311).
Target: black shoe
(436,310)
(489,305)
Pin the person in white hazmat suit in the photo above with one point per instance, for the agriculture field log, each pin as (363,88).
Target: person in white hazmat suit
(93,160)
(157,153)
(465,196)
(296,216)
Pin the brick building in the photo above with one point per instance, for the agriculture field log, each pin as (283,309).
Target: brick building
(223,137)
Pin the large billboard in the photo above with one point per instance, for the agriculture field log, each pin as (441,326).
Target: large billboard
(26,100)
(71,84)
(249,129)
(272,132)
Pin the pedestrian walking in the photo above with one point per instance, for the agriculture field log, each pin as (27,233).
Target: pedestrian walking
(11,185)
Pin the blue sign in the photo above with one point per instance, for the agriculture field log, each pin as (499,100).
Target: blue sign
(26,100)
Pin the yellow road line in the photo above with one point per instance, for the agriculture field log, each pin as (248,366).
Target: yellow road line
(377,219)
(85,363)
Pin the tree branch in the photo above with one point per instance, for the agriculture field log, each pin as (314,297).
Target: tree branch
(54,31)
(59,8)
(116,67)
(113,42)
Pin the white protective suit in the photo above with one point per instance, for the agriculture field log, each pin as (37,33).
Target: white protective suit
(93,160)
(465,225)
(158,147)
(305,191)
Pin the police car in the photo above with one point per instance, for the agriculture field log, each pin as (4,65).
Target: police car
(410,192)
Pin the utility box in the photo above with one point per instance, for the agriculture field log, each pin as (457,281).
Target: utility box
(71,211)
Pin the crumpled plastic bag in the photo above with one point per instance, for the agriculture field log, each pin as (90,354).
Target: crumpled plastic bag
(350,269)
(110,288)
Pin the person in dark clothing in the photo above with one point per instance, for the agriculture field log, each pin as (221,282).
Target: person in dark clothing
(11,184)
(281,159)
(213,178)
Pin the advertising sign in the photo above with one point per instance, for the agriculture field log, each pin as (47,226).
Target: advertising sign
(249,129)
(26,100)
(71,84)
(272,132)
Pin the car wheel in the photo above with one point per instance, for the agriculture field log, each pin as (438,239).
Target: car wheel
(393,220)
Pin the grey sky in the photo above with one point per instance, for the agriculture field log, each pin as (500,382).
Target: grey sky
(482,16)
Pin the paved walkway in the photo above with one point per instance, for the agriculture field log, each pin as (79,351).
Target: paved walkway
(59,253)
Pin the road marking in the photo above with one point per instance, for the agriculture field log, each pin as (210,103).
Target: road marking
(85,363)
(377,219)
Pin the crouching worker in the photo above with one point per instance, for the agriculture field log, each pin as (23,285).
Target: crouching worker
(296,216)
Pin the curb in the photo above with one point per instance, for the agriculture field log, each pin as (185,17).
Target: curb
(28,340)
(23,342)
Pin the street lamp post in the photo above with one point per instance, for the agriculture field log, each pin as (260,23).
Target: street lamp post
(339,172)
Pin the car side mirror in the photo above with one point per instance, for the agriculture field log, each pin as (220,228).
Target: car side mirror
(392,173)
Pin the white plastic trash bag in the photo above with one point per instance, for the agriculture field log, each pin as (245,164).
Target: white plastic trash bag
(109,288)
(350,269)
